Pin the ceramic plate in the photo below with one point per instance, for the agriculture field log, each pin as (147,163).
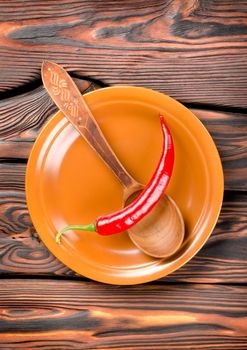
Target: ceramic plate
(66,182)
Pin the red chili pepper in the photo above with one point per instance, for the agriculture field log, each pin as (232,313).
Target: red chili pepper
(127,217)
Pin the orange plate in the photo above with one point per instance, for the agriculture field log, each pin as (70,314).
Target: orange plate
(66,182)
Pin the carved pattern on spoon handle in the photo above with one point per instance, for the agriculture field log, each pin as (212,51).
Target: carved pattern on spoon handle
(60,87)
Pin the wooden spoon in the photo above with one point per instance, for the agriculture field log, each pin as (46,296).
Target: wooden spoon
(161,232)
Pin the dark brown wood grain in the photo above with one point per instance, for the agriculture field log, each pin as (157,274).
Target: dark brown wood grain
(222,259)
(192,50)
(229,132)
(23,115)
(77,315)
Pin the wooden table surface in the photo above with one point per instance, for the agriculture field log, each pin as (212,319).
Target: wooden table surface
(192,50)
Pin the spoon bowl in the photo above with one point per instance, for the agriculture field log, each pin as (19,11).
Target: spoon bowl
(161,232)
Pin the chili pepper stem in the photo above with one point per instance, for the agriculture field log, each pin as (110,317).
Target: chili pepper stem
(91,227)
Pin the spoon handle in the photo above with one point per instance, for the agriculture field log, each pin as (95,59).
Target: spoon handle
(69,100)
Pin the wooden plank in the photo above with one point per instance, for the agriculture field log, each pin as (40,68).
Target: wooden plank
(224,256)
(222,259)
(192,50)
(23,116)
(229,132)
(68,315)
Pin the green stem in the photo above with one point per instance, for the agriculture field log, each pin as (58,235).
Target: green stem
(90,227)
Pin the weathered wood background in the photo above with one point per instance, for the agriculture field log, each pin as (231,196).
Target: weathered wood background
(69,315)
(194,51)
